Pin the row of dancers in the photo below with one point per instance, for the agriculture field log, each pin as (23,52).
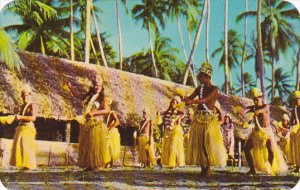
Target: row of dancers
(99,139)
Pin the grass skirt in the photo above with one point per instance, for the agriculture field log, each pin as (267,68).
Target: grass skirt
(23,151)
(285,146)
(114,144)
(259,138)
(206,141)
(145,151)
(295,145)
(172,147)
(93,148)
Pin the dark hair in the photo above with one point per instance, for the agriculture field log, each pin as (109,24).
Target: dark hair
(101,95)
(91,93)
(94,82)
(170,105)
(230,120)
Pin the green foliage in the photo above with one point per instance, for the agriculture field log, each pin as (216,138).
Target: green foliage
(283,84)
(42,30)
(148,12)
(248,82)
(169,66)
(8,53)
(234,50)
(109,52)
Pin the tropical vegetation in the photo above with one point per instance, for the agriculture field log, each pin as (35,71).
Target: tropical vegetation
(74,30)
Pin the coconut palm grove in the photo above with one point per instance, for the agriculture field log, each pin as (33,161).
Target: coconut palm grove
(149,94)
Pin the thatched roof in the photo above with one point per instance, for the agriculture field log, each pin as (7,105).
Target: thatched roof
(48,76)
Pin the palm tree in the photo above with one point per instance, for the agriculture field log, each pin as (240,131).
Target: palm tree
(248,84)
(231,89)
(147,12)
(196,39)
(226,47)
(72,32)
(244,52)
(99,39)
(42,30)
(165,55)
(176,8)
(207,31)
(166,58)
(120,32)
(87,31)
(277,31)
(8,53)
(234,50)
(298,69)
(296,66)
(260,56)
(80,8)
(108,50)
(191,22)
(282,85)
(252,51)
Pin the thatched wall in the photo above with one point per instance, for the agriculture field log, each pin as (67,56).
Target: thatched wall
(48,77)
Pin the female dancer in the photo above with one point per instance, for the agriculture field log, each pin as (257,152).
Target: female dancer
(172,147)
(93,148)
(227,129)
(23,150)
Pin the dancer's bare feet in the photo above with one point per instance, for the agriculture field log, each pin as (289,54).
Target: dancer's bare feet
(87,169)
(96,169)
(205,172)
(251,172)
(296,169)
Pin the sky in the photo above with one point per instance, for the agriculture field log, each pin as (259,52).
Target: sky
(135,38)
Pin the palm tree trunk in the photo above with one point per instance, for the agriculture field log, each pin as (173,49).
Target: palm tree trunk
(195,43)
(260,57)
(231,83)
(298,70)
(72,31)
(152,53)
(207,31)
(244,52)
(193,63)
(273,79)
(94,51)
(184,52)
(226,47)
(8,52)
(87,31)
(99,40)
(42,46)
(120,36)
(273,62)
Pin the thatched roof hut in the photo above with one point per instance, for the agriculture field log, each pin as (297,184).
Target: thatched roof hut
(131,92)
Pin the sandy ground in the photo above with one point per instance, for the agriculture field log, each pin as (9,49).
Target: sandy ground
(139,178)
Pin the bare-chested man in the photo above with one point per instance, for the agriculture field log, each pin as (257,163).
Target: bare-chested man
(261,150)
(205,146)
(145,142)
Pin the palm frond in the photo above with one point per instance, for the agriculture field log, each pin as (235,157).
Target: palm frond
(8,53)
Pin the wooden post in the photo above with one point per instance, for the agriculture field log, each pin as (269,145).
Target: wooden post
(68,132)
(240,152)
